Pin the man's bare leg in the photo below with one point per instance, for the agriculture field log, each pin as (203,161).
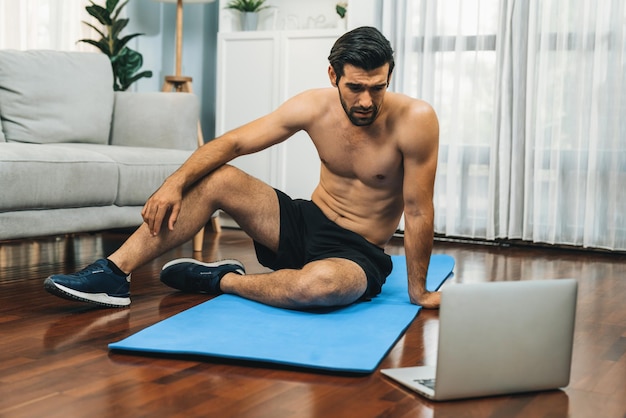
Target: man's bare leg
(254,206)
(330,282)
(252,203)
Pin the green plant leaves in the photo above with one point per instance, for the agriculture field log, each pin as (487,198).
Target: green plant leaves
(117,13)
(124,61)
(99,13)
(102,45)
(247,5)
(117,27)
(126,64)
(341,9)
(111,5)
(120,44)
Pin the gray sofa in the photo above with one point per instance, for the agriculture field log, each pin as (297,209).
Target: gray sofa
(75,156)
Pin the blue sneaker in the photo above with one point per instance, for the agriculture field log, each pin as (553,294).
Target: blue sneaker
(193,276)
(96,284)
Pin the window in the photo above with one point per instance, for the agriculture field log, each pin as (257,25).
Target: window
(530,98)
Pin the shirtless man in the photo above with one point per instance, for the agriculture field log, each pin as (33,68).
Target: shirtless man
(378,153)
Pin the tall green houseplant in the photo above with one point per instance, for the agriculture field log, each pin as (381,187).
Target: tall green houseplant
(125,61)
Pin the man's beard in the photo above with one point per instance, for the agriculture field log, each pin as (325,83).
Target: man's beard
(359,120)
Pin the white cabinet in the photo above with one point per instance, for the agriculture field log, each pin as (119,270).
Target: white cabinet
(247,88)
(259,70)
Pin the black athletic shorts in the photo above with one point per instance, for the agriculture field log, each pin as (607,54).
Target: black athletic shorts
(306,235)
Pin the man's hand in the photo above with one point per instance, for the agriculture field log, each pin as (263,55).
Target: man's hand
(166,200)
(428,300)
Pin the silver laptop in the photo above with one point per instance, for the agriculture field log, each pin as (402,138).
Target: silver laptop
(499,338)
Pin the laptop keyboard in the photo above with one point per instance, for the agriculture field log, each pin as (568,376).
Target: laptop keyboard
(429,383)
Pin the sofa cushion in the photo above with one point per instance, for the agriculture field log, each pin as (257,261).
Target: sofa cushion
(156,119)
(38,223)
(54,96)
(34,176)
(141,170)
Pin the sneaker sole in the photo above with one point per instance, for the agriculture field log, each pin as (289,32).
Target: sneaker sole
(241,270)
(100,299)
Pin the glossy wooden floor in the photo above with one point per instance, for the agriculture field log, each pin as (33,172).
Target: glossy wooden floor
(54,360)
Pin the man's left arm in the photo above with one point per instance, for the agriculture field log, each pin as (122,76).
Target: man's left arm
(419,149)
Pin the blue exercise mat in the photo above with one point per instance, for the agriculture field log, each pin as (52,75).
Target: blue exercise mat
(351,339)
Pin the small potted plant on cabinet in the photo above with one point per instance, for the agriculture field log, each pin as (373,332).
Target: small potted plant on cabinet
(248,10)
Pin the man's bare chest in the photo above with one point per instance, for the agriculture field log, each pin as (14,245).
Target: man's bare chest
(375,163)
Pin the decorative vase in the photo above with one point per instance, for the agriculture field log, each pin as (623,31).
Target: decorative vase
(249,21)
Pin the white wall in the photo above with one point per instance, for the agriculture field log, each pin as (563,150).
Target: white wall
(365,13)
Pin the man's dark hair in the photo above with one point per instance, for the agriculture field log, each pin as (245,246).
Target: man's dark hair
(363,47)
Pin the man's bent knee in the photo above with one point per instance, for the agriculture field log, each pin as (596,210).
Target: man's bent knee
(330,283)
(227,184)
(222,176)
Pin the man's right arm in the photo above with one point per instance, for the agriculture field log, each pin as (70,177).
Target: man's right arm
(247,139)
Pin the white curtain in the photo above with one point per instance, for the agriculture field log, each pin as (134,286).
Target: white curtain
(45,24)
(531,98)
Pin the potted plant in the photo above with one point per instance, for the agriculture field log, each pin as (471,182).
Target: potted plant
(248,10)
(125,61)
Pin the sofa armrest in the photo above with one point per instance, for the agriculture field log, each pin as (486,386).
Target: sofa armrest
(156,119)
